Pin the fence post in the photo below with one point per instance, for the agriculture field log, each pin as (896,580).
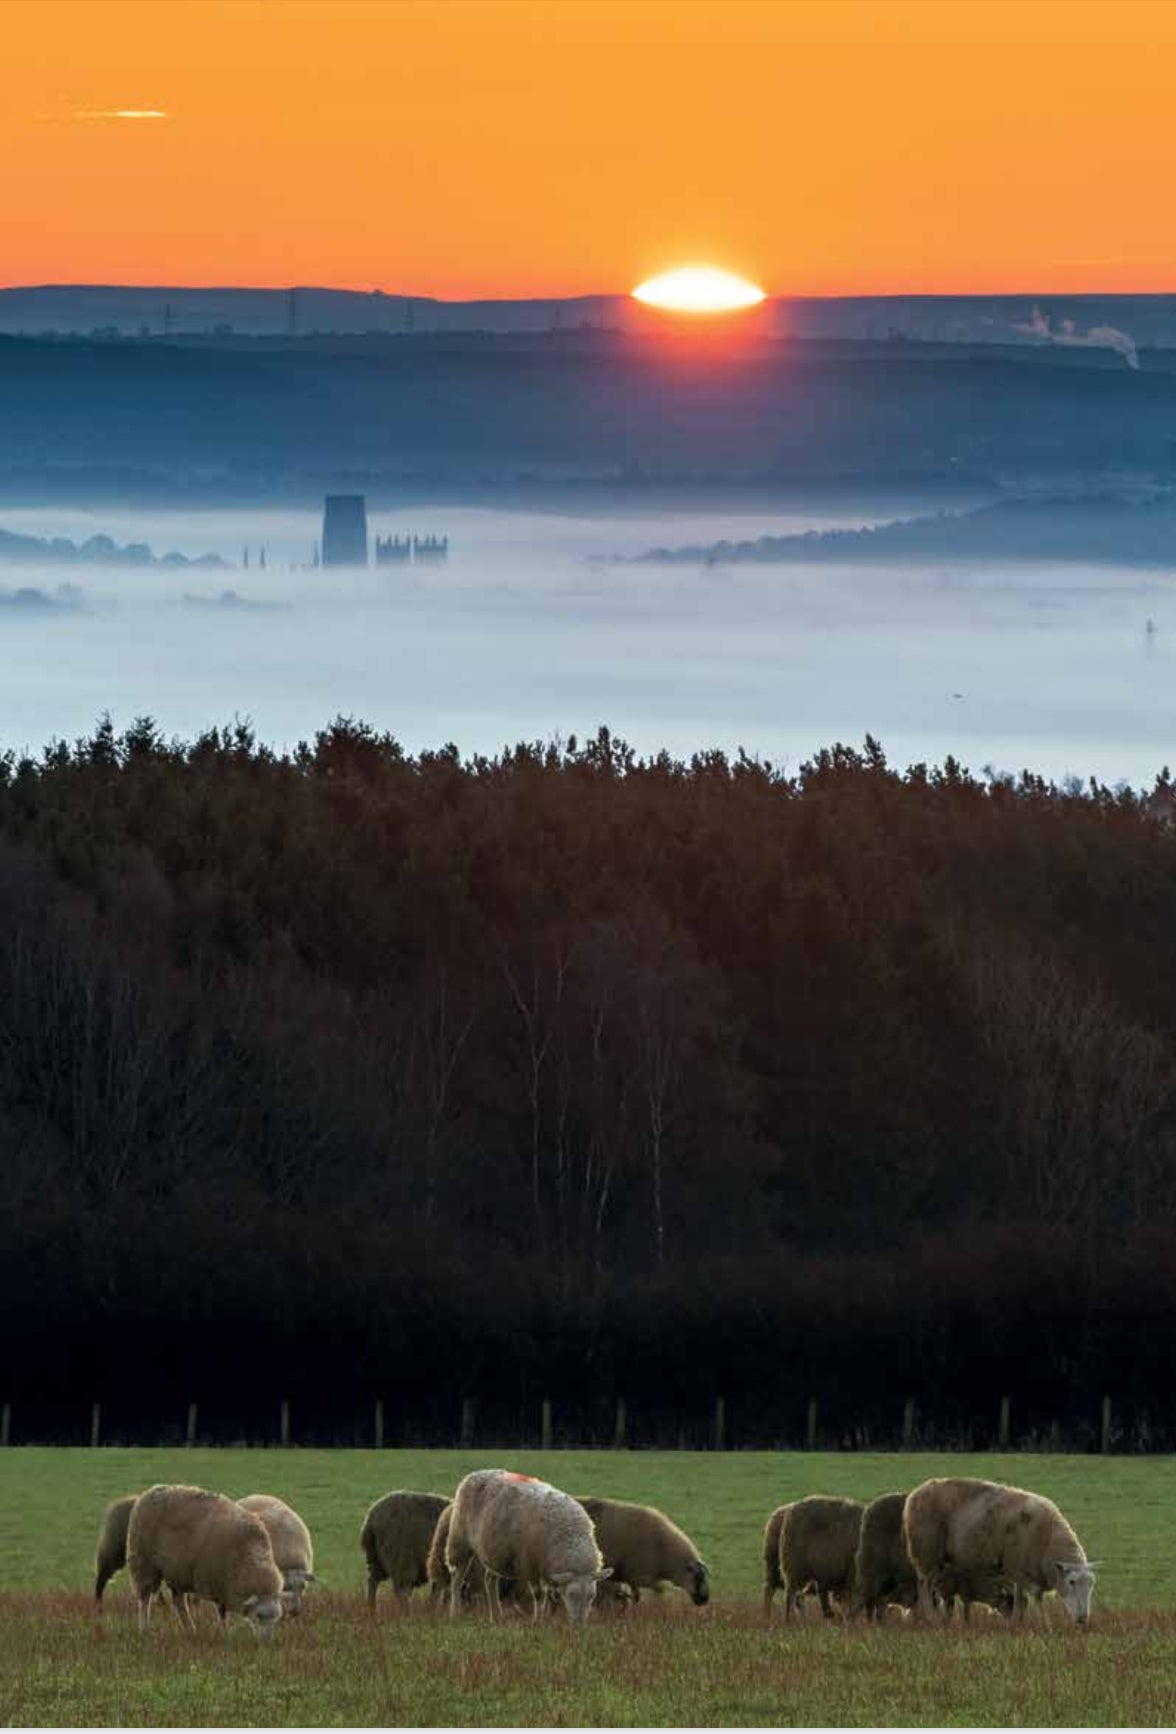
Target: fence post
(285,1421)
(6,1424)
(811,1428)
(1004,1427)
(720,1423)
(190,1431)
(621,1426)
(1104,1436)
(378,1427)
(467,1420)
(908,1424)
(545,1424)
(95,1424)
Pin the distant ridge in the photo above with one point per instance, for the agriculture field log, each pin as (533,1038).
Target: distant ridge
(163,309)
(1103,529)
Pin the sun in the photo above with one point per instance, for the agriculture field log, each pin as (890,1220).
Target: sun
(698,289)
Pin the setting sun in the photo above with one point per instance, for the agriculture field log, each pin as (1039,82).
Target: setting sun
(698,289)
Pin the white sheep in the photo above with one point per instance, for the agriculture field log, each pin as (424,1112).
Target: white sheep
(518,1527)
(203,1544)
(290,1540)
(986,1541)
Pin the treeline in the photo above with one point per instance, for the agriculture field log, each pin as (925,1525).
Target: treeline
(348,1074)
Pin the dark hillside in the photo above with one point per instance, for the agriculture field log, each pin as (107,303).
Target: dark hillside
(256,418)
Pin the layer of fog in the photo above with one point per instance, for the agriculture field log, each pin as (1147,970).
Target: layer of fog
(1066,670)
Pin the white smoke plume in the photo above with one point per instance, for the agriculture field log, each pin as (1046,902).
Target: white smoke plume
(1066,332)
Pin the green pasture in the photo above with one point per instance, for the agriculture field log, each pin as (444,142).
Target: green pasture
(51,1501)
(664,1663)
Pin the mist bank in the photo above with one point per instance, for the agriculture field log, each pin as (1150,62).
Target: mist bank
(291,420)
(1090,529)
(568,1071)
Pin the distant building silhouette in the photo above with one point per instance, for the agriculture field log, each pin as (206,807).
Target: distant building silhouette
(399,550)
(430,548)
(345,530)
(393,550)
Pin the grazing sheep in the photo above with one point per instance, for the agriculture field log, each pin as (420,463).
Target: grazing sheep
(772,1579)
(436,1570)
(644,1549)
(203,1544)
(990,1542)
(517,1527)
(818,1545)
(290,1540)
(883,1572)
(111,1553)
(396,1536)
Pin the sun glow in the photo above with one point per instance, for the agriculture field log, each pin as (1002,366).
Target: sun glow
(698,289)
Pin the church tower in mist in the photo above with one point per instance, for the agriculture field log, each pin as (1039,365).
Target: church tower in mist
(345,538)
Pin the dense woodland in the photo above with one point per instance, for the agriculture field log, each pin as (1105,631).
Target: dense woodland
(347,1074)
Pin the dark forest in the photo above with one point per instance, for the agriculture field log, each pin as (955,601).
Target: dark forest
(344,1074)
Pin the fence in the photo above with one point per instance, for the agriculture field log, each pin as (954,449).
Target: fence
(617,1425)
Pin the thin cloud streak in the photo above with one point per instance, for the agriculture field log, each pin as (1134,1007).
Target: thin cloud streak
(120,114)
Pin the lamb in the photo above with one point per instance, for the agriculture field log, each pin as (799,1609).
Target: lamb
(517,1527)
(111,1553)
(984,1539)
(290,1540)
(203,1544)
(396,1538)
(818,1545)
(883,1572)
(772,1579)
(643,1549)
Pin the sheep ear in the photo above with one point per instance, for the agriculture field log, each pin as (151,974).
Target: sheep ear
(248,1603)
(559,1578)
(601,1575)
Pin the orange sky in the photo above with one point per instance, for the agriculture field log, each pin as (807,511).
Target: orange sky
(532,147)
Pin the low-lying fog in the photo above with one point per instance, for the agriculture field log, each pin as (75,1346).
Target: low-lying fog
(1067,670)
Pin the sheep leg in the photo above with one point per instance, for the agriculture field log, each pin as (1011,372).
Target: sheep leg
(457,1585)
(823,1598)
(926,1599)
(146,1597)
(492,1600)
(182,1609)
(373,1585)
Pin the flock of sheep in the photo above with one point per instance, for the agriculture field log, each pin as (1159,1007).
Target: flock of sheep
(951,1537)
(514,1539)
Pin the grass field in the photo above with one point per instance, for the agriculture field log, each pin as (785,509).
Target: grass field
(665,1663)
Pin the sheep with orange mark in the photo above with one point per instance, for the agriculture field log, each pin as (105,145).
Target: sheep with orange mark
(517,1527)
